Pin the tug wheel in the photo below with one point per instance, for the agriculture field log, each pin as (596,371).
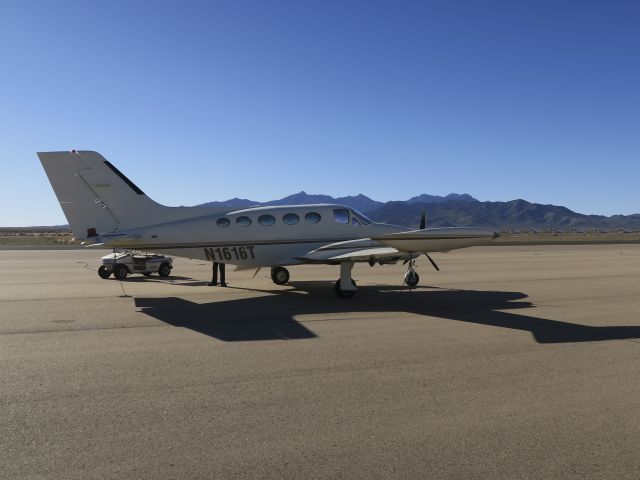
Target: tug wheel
(164,270)
(120,272)
(103,272)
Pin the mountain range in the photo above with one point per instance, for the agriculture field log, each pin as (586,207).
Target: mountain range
(458,210)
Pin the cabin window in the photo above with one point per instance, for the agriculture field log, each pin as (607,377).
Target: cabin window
(243,221)
(312,217)
(223,222)
(266,220)
(354,221)
(341,215)
(290,218)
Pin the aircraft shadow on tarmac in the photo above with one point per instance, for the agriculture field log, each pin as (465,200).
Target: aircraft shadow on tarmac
(272,317)
(172,279)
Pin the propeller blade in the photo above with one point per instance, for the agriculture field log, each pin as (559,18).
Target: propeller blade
(423,220)
(256,273)
(435,265)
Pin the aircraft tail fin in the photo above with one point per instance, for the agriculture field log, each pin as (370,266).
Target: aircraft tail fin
(97,198)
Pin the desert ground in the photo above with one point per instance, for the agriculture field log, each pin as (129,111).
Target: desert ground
(512,362)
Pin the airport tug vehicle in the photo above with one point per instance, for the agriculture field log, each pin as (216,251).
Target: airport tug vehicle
(122,264)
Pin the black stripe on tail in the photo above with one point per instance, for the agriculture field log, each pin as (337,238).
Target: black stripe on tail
(132,185)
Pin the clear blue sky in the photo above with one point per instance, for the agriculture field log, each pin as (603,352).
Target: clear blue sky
(200,101)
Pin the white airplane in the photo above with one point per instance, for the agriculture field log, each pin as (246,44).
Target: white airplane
(103,207)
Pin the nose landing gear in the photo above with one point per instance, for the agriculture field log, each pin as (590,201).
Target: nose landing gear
(411,278)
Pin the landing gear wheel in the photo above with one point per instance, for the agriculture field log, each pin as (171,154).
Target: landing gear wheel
(280,275)
(344,293)
(120,272)
(164,270)
(412,278)
(103,272)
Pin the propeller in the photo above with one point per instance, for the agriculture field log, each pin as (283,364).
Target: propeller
(435,265)
(423,225)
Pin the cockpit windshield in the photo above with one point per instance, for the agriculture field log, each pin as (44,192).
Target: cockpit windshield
(362,218)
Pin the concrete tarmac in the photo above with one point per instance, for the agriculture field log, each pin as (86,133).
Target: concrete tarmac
(512,362)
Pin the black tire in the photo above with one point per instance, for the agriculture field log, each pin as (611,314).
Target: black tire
(103,272)
(344,293)
(412,279)
(280,275)
(164,270)
(120,272)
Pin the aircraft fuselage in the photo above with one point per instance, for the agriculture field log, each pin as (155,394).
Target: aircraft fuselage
(261,236)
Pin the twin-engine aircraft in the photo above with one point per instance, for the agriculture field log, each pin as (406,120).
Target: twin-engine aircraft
(103,207)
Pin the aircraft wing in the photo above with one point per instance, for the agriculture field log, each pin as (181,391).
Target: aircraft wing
(362,250)
(366,254)
(404,245)
(437,239)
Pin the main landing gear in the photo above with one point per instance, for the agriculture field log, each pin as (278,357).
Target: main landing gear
(279,275)
(345,293)
(345,287)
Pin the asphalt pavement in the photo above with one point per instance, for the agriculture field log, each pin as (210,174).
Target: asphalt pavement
(512,362)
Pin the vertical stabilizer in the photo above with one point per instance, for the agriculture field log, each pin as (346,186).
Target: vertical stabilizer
(97,198)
